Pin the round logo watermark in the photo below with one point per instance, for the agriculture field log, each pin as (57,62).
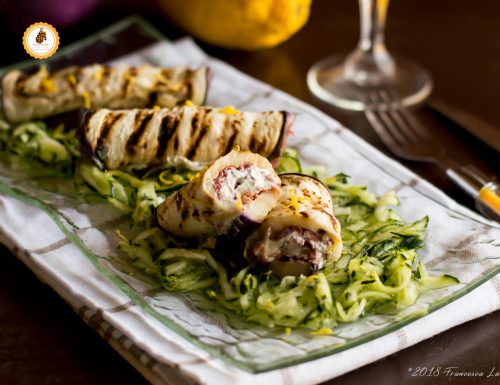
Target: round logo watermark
(41,40)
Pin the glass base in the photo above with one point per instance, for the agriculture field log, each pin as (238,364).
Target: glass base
(409,85)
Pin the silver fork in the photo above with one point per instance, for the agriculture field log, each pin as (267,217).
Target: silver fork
(406,137)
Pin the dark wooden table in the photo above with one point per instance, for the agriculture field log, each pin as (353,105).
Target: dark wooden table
(457,40)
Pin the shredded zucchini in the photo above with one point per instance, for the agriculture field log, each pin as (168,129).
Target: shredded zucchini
(136,196)
(378,271)
(35,143)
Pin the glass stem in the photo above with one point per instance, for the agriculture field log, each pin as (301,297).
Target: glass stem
(373,15)
(371,63)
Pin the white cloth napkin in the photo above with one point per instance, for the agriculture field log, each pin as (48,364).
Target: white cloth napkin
(457,240)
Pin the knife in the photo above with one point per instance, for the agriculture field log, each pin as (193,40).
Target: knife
(472,124)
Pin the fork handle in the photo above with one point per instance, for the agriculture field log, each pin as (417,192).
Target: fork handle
(486,195)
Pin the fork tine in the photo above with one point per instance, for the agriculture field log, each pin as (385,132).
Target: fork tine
(401,119)
(387,121)
(419,129)
(380,128)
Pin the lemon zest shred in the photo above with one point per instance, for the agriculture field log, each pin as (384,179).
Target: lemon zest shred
(119,233)
(294,201)
(239,203)
(48,85)
(46,82)
(229,110)
(156,108)
(164,180)
(322,332)
(270,303)
(136,182)
(161,78)
(98,74)
(311,278)
(237,147)
(178,178)
(288,331)
(175,86)
(129,79)
(72,79)
(189,103)
(330,248)
(86,99)
(211,293)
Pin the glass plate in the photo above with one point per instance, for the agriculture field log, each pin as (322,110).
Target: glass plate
(470,250)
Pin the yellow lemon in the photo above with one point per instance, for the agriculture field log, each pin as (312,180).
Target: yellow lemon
(244,24)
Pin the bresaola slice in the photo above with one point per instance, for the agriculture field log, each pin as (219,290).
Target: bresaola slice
(187,136)
(300,233)
(45,94)
(239,184)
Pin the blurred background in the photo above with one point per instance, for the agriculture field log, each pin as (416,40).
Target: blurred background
(427,31)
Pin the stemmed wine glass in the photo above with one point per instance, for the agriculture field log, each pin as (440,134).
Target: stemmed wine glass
(348,82)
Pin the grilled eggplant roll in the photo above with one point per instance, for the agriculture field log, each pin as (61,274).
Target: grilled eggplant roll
(300,234)
(186,136)
(43,94)
(239,187)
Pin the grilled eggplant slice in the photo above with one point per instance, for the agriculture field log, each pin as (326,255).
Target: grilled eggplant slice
(43,94)
(187,136)
(240,184)
(300,233)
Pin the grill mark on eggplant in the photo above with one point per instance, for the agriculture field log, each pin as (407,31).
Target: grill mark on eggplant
(199,130)
(253,139)
(235,129)
(19,86)
(57,73)
(167,73)
(21,91)
(72,85)
(20,79)
(139,130)
(260,148)
(185,213)
(178,201)
(105,76)
(208,212)
(153,97)
(132,71)
(76,73)
(194,148)
(175,126)
(283,132)
(230,143)
(109,121)
(87,115)
(164,134)
(188,83)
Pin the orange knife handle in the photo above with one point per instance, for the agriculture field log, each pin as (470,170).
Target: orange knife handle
(489,198)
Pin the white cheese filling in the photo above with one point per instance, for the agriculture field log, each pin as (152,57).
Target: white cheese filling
(247,180)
